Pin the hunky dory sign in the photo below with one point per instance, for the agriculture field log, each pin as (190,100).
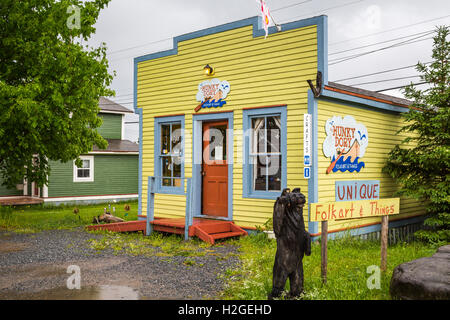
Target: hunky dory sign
(345,144)
(212,93)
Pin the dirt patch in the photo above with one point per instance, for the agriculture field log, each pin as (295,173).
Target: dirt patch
(36,267)
(7,247)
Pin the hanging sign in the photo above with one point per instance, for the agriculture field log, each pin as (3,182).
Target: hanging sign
(212,93)
(357,190)
(345,144)
(328,211)
(307,145)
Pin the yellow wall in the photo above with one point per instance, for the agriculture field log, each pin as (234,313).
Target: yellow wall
(382,128)
(261,72)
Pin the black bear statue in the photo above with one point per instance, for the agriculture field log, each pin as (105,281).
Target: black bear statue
(293,242)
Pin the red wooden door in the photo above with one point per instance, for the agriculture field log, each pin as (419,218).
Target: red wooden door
(215,169)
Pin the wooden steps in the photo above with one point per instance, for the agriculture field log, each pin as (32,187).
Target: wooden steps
(208,230)
(212,231)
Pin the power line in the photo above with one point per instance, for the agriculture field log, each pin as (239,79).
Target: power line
(384,48)
(399,87)
(385,80)
(343,59)
(157,41)
(385,41)
(393,29)
(380,72)
(327,9)
(146,44)
(290,6)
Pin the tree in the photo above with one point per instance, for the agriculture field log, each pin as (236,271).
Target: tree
(421,165)
(50,85)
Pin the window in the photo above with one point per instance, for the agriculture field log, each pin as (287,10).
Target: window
(264,152)
(169,160)
(85,173)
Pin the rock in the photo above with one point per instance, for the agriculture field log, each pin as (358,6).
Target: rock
(423,279)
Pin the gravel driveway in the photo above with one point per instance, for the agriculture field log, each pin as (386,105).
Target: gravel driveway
(34,266)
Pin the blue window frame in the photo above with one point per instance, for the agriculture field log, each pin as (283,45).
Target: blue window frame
(265,152)
(169,154)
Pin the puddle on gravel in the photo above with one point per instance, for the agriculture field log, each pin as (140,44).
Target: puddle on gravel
(103,292)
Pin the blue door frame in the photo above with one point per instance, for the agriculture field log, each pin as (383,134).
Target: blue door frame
(197,153)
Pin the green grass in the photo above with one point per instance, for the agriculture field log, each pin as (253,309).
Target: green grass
(157,244)
(348,259)
(37,218)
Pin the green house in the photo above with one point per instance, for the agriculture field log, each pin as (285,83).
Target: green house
(106,175)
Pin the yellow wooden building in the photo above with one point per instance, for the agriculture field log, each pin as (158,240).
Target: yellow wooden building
(231,114)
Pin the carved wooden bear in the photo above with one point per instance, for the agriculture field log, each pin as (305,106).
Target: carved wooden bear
(293,241)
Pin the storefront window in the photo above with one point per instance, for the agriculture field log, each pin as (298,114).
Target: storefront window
(264,152)
(169,153)
(265,156)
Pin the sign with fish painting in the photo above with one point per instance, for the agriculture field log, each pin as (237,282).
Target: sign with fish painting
(345,144)
(212,93)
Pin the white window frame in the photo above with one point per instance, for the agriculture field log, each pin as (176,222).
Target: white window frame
(91,170)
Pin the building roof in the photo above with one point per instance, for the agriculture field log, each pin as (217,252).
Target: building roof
(117,145)
(110,106)
(333,86)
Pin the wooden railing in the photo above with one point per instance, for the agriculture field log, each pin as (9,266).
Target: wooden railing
(152,190)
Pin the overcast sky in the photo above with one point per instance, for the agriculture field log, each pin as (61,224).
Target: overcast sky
(131,28)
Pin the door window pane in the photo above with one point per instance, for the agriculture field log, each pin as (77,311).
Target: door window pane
(218,143)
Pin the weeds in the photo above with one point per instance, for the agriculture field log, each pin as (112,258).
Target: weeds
(348,259)
(157,244)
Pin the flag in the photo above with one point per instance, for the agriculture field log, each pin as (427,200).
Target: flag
(265,13)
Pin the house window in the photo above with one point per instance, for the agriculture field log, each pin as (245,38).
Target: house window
(264,152)
(85,173)
(169,161)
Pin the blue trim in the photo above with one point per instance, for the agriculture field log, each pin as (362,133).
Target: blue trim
(139,112)
(247,191)
(313,182)
(150,205)
(322,64)
(156,163)
(361,102)
(322,49)
(197,155)
(322,37)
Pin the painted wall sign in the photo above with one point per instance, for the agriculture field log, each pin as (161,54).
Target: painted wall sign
(345,144)
(307,141)
(211,93)
(327,211)
(357,190)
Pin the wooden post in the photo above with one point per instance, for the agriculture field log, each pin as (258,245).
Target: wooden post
(324,250)
(384,241)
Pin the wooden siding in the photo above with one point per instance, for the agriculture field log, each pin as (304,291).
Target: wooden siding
(111,127)
(4,191)
(382,128)
(261,72)
(113,174)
